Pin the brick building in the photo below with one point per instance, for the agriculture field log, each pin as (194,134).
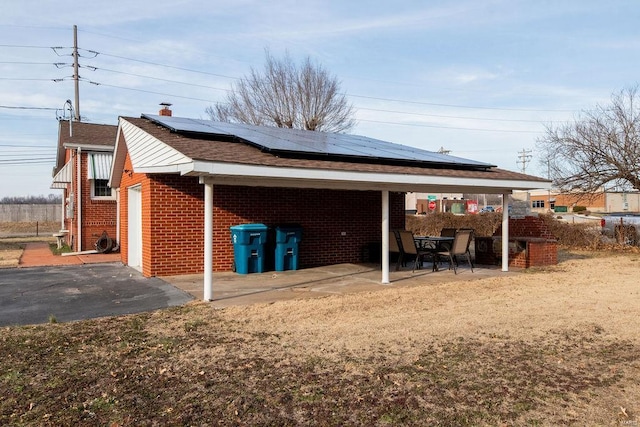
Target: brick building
(601,201)
(83,164)
(182,183)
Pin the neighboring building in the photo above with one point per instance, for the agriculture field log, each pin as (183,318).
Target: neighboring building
(183,182)
(602,202)
(421,203)
(83,163)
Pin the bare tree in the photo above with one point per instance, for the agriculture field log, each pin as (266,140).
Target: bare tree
(600,148)
(287,96)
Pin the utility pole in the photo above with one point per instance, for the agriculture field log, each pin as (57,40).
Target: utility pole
(524,158)
(76,77)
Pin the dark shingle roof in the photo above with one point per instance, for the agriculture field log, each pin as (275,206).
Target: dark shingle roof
(88,134)
(85,135)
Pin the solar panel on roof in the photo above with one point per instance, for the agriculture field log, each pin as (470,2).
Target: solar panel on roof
(299,142)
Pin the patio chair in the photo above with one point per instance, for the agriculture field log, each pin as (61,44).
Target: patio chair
(396,248)
(460,247)
(448,232)
(444,246)
(409,247)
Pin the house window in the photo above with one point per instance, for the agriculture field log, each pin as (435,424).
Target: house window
(100,189)
(537,204)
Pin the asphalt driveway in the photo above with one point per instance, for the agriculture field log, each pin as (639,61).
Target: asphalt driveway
(67,293)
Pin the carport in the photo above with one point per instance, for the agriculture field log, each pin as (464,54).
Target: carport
(185,147)
(385,183)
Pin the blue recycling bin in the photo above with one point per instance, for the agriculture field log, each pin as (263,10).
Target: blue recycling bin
(248,247)
(286,254)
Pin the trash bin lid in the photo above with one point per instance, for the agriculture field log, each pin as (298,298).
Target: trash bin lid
(249,227)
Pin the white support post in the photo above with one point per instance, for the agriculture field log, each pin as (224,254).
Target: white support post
(505,232)
(385,237)
(208,240)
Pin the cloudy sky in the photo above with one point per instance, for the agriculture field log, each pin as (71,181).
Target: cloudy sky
(481,78)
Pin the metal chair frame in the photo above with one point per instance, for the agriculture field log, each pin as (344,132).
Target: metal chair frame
(460,247)
(410,247)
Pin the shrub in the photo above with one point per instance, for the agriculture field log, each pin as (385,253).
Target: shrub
(430,225)
(577,209)
(581,235)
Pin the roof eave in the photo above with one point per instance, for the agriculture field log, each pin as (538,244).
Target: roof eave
(242,174)
(90,147)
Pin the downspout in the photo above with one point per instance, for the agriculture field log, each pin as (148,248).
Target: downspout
(79,199)
(63,211)
(71,206)
(118,217)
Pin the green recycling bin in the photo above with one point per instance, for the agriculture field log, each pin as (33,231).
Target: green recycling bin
(248,247)
(286,254)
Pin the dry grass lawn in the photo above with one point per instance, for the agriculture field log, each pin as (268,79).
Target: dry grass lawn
(555,346)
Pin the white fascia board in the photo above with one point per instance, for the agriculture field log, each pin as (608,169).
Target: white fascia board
(90,147)
(182,169)
(240,174)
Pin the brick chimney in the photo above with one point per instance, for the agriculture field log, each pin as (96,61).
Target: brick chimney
(165,111)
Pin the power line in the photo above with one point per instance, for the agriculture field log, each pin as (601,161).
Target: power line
(15,79)
(161,65)
(355,96)
(449,117)
(146,91)
(26,46)
(10,157)
(92,68)
(346,94)
(11,107)
(457,106)
(25,63)
(25,161)
(449,127)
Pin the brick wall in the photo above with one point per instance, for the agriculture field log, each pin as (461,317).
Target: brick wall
(97,215)
(531,244)
(528,226)
(324,216)
(173,221)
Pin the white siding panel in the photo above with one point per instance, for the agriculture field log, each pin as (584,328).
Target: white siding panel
(147,151)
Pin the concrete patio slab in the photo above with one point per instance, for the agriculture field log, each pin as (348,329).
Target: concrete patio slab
(231,289)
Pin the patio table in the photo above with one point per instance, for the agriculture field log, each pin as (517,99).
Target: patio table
(433,243)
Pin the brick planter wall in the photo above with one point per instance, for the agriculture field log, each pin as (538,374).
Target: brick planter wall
(531,244)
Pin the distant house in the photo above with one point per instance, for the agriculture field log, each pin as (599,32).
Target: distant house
(183,182)
(601,201)
(83,163)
